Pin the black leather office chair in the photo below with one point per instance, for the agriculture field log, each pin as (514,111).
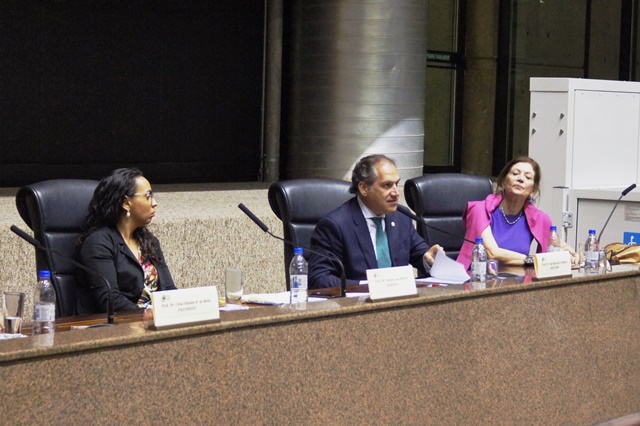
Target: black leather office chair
(300,204)
(56,211)
(441,199)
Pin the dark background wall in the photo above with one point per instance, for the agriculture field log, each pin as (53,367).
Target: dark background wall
(173,87)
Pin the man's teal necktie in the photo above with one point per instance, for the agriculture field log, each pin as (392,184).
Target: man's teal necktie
(382,245)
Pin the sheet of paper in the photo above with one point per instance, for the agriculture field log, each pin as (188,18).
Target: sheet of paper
(7,336)
(447,271)
(231,307)
(274,298)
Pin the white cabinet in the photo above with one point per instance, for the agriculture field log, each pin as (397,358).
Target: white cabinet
(586,136)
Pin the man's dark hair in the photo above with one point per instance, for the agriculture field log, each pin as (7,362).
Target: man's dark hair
(365,171)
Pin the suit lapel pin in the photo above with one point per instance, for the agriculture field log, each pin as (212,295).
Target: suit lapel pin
(393,224)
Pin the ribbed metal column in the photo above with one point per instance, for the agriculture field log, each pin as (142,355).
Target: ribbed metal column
(358,85)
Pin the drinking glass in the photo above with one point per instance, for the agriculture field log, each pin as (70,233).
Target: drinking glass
(233,285)
(492,269)
(12,308)
(603,262)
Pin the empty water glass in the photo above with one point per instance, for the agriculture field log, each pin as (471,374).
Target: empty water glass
(12,309)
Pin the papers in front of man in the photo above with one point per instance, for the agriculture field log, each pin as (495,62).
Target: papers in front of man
(446,271)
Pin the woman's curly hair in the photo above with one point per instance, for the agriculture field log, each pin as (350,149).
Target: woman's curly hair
(105,209)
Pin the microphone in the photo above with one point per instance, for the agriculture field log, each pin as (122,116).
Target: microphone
(405,211)
(255,219)
(265,228)
(629,189)
(625,192)
(28,238)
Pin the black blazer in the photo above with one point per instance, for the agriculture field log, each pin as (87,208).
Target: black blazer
(105,252)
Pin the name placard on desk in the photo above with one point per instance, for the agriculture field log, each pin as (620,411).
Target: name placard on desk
(391,283)
(185,306)
(553,264)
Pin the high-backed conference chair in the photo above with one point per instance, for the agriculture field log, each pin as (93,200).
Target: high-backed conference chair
(441,200)
(56,211)
(300,204)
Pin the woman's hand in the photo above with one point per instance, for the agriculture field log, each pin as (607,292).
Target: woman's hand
(575,257)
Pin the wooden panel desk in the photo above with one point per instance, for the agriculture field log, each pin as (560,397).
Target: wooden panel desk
(555,352)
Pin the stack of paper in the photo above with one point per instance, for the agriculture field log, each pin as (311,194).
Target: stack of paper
(446,271)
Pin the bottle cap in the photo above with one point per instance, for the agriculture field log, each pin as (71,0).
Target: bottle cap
(44,274)
(297,250)
(592,231)
(554,228)
(479,240)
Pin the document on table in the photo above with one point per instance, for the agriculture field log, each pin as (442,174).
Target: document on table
(231,307)
(446,271)
(274,298)
(8,336)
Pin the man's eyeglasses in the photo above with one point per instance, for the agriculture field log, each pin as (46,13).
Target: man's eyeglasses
(147,194)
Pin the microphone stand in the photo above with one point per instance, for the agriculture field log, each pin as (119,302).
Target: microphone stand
(28,238)
(405,211)
(625,192)
(265,228)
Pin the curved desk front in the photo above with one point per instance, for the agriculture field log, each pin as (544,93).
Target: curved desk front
(563,351)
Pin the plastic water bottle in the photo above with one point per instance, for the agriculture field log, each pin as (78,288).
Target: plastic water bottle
(554,241)
(478,266)
(298,277)
(591,253)
(44,305)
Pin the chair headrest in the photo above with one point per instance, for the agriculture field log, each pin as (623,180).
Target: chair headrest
(445,194)
(307,200)
(57,203)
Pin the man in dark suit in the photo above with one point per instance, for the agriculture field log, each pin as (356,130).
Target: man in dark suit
(355,234)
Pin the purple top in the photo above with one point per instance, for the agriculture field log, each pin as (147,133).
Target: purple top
(516,237)
(477,217)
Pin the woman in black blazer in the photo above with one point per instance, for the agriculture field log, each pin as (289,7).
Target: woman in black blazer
(118,246)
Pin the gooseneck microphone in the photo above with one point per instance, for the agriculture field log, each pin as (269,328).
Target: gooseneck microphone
(265,228)
(28,238)
(625,192)
(405,211)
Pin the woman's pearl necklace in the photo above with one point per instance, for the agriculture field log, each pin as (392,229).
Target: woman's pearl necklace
(507,220)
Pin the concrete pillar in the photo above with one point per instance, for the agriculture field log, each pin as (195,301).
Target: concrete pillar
(357,86)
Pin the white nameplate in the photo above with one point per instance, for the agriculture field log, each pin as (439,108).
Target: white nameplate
(553,264)
(389,283)
(185,306)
